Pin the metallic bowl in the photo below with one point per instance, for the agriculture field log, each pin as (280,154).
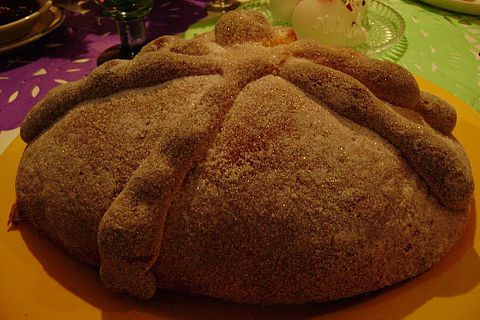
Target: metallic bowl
(17,29)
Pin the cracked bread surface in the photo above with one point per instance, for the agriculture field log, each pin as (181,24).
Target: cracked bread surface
(248,166)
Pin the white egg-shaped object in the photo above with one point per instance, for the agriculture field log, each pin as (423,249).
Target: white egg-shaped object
(329,22)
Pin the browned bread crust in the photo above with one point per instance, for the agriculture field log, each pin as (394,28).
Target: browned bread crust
(248,166)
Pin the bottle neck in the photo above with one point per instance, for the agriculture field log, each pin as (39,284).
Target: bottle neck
(132,33)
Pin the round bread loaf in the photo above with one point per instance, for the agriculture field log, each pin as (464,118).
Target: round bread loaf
(248,166)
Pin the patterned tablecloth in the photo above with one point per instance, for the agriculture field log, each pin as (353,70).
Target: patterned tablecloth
(443,47)
(440,46)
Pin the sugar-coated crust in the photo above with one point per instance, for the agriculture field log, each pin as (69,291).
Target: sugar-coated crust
(388,81)
(289,215)
(439,114)
(246,165)
(113,76)
(444,170)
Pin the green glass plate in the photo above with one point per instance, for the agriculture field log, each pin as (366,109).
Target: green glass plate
(385,28)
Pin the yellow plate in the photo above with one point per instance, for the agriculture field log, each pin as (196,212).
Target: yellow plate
(38,281)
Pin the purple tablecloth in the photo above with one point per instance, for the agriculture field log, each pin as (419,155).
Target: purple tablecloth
(70,53)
